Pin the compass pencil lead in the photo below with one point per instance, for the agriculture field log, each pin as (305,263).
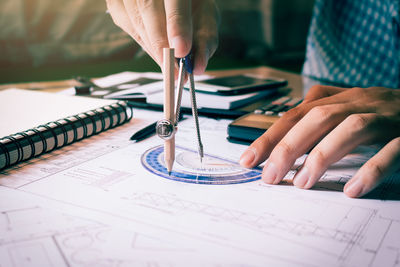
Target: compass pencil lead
(169,173)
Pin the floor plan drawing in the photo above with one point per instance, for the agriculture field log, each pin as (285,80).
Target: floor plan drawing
(34,235)
(95,204)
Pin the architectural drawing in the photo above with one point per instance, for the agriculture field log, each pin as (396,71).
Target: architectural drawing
(350,237)
(95,204)
(33,235)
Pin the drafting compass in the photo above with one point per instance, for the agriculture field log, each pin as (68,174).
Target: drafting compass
(167,127)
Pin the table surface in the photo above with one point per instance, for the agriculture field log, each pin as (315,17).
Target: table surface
(297,86)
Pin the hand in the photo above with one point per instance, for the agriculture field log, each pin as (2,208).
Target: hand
(186,25)
(331,122)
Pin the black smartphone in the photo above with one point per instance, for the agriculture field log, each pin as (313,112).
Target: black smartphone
(238,84)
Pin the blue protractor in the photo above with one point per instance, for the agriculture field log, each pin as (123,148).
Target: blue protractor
(188,168)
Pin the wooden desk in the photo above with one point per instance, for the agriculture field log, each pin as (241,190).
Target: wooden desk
(296,82)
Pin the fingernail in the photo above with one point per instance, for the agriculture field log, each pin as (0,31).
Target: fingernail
(269,173)
(301,178)
(247,157)
(180,46)
(354,189)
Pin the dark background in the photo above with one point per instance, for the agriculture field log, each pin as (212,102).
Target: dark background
(252,33)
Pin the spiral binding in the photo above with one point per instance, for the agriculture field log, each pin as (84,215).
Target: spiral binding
(23,145)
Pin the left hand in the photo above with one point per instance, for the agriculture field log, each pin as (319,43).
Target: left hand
(331,122)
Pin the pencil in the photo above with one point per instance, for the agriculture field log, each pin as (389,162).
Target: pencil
(169,103)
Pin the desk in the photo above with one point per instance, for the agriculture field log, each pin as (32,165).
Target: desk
(94,203)
(297,84)
(295,80)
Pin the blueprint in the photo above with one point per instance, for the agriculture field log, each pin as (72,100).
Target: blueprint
(93,203)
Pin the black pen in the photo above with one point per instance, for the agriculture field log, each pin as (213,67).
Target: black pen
(148,131)
(144,133)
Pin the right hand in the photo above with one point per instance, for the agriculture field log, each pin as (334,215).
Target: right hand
(186,25)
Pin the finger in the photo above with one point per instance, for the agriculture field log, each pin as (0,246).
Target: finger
(321,91)
(261,148)
(205,35)
(122,20)
(382,165)
(152,13)
(355,130)
(119,14)
(302,137)
(204,49)
(179,26)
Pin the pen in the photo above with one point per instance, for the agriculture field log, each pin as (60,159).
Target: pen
(144,133)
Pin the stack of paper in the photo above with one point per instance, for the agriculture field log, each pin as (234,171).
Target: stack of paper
(153,92)
(212,101)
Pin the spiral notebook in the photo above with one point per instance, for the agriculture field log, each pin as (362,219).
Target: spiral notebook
(33,123)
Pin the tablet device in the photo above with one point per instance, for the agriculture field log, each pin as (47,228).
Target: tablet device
(238,84)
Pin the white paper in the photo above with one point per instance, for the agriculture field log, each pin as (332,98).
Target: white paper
(210,100)
(154,91)
(21,110)
(89,203)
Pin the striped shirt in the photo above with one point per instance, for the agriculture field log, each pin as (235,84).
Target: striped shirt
(355,43)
